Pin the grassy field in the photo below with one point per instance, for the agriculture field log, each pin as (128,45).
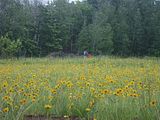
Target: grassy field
(102,88)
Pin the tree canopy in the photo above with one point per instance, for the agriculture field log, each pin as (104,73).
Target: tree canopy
(105,27)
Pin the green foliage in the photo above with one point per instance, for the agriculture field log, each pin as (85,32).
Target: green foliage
(84,41)
(117,27)
(29,47)
(9,48)
(97,39)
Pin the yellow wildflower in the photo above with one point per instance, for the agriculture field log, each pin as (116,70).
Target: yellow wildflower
(53,91)
(23,101)
(153,103)
(47,106)
(5,109)
(88,109)
(6,98)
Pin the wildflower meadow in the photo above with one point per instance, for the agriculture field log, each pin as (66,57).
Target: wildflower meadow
(98,88)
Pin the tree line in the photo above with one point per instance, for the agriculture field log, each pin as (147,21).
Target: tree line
(102,27)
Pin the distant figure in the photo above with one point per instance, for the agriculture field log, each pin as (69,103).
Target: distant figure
(85,53)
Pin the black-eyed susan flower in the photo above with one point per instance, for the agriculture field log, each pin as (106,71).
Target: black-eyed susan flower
(5,84)
(6,98)
(53,91)
(153,103)
(91,103)
(105,91)
(33,100)
(48,106)
(23,101)
(5,109)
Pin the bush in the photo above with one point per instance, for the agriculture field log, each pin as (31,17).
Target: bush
(8,47)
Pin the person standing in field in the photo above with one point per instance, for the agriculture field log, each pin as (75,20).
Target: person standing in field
(85,53)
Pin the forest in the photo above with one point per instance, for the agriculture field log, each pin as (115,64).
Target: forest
(102,27)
